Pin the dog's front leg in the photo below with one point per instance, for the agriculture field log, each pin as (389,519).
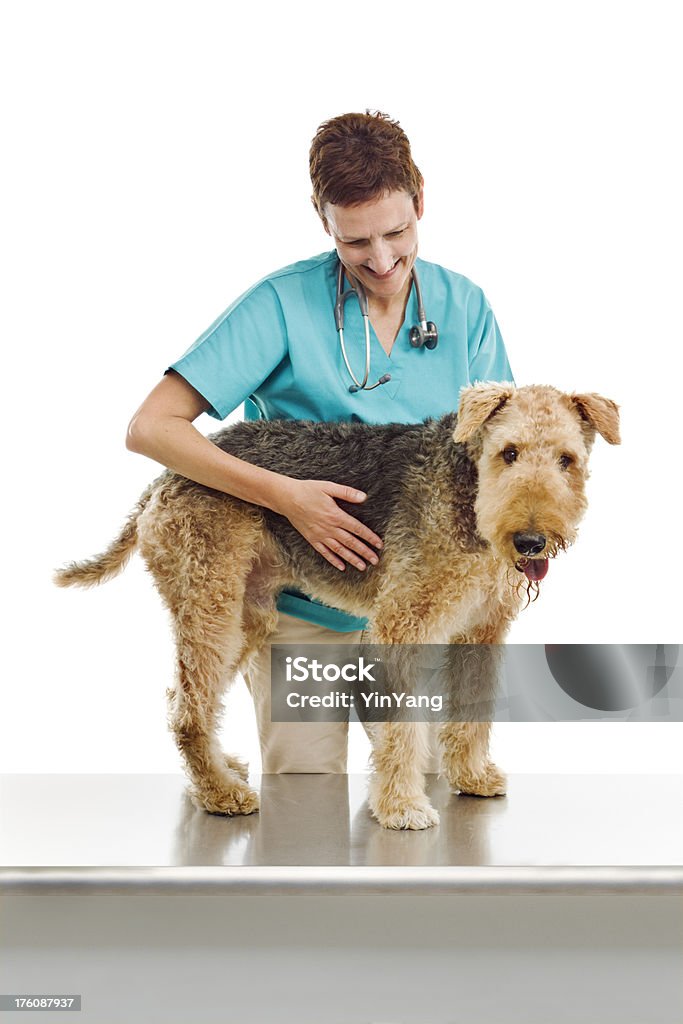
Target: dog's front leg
(397,795)
(471,681)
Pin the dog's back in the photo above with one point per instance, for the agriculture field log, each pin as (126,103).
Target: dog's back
(377,459)
(394,464)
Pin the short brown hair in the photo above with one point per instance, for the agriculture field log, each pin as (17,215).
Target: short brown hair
(355,158)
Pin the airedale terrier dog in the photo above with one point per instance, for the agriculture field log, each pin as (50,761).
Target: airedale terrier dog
(468,507)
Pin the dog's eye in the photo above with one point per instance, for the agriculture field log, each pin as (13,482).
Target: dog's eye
(565,461)
(509,454)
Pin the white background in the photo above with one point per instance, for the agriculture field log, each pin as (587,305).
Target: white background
(156,165)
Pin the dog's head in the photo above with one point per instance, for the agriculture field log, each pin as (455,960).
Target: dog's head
(531,446)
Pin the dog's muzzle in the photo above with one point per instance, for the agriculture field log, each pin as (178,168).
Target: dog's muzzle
(529,545)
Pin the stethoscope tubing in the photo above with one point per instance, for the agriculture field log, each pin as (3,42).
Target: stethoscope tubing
(342,297)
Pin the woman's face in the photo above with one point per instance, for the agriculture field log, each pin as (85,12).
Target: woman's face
(377,241)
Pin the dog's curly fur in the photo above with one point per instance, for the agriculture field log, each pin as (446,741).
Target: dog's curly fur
(450,498)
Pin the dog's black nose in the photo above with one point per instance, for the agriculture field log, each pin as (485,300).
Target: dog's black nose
(529,543)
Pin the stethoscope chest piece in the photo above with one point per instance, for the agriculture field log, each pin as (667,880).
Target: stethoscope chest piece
(424,334)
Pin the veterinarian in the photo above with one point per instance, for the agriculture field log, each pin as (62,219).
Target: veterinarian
(278,349)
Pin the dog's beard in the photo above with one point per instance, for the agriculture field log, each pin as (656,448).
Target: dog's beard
(534,570)
(522,584)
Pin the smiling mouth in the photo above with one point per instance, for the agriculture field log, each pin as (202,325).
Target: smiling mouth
(383,277)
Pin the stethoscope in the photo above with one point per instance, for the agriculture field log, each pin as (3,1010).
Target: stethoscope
(422,334)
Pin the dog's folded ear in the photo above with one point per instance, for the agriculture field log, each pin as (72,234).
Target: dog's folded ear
(601,413)
(478,403)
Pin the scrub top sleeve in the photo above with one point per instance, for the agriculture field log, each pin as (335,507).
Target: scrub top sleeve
(487,356)
(229,361)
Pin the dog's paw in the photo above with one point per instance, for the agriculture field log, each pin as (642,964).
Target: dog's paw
(234,764)
(417,814)
(491,782)
(230,801)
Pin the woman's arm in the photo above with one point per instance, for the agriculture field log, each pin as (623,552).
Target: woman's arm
(162,428)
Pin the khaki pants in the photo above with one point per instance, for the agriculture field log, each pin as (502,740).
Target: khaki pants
(315,747)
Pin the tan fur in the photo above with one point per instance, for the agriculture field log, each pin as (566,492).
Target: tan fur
(442,578)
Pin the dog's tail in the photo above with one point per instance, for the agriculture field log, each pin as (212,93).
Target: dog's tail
(111,562)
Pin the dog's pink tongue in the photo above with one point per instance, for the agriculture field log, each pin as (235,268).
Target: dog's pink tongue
(536,568)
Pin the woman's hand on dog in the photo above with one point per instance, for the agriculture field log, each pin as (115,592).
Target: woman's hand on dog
(311,508)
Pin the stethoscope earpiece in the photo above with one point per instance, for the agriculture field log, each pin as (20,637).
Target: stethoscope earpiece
(423,334)
(383,380)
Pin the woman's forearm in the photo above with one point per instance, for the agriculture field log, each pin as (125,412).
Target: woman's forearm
(163,429)
(177,444)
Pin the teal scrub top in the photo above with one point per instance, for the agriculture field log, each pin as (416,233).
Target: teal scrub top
(276,349)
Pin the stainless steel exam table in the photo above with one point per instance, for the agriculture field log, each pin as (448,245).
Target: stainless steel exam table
(562,902)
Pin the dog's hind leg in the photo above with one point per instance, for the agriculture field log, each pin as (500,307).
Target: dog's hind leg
(266,578)
(259,619)
(199,547)
(208,650)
